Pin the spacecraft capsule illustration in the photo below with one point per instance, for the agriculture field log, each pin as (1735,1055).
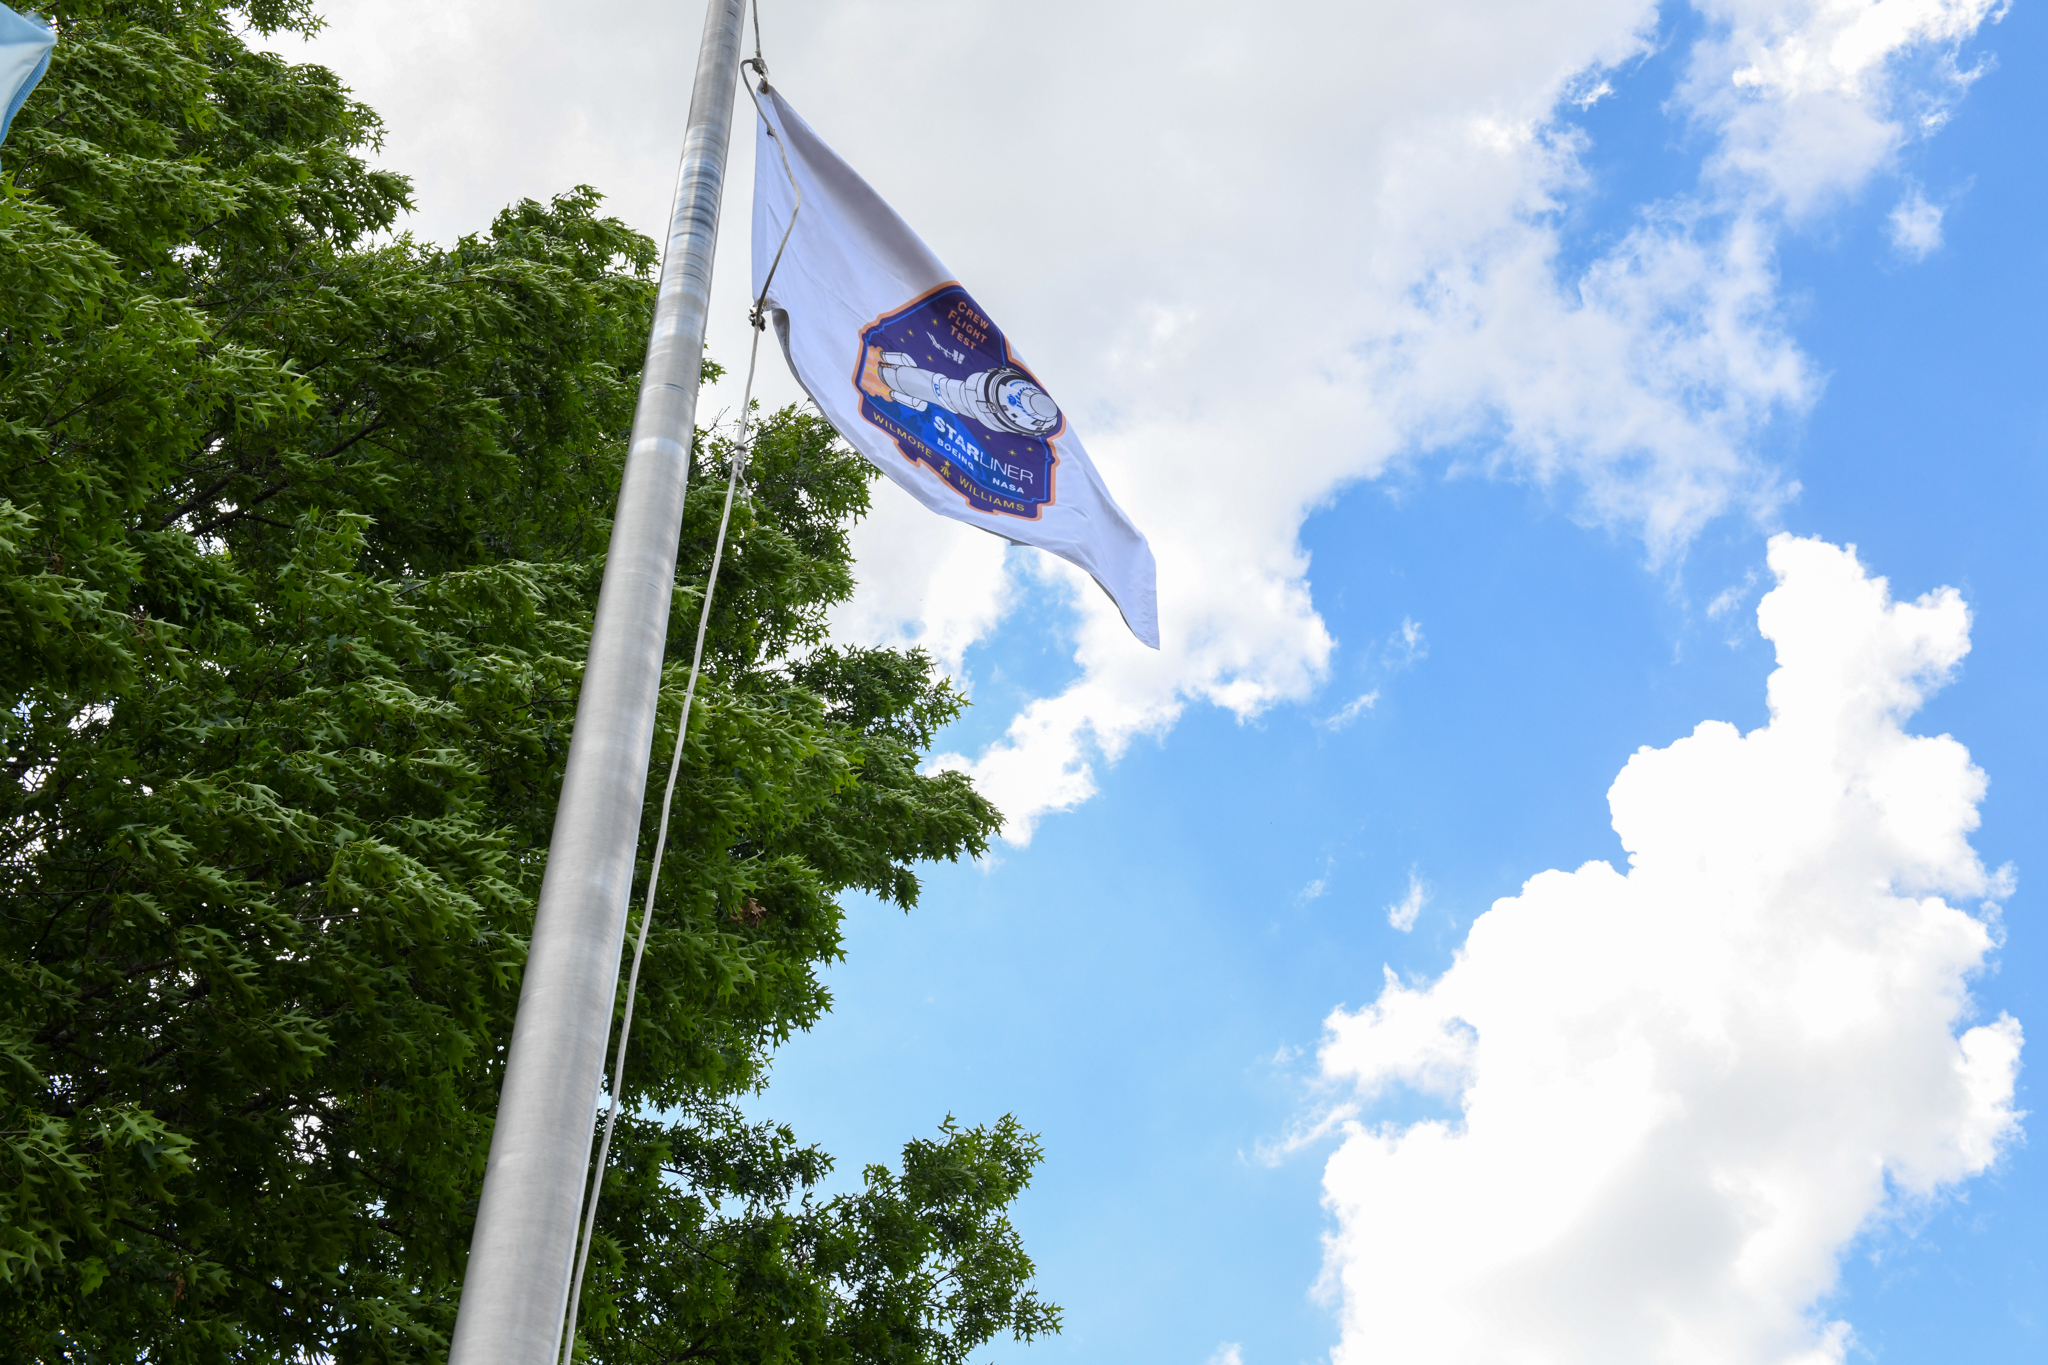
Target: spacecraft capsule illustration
(1002,399)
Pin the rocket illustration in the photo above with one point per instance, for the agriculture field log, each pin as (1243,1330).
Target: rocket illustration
(1002,399)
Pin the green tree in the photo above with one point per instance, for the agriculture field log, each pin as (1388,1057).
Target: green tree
(301,526)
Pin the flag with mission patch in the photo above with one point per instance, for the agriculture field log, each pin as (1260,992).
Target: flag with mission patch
(919,379)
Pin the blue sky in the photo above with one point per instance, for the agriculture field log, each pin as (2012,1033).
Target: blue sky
(1126,981)
(1372,325)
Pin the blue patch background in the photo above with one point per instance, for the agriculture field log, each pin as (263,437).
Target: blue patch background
(976,462)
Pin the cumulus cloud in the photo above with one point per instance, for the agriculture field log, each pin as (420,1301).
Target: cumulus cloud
(926,581)
(1809,98)
(1681,1090)
(1256,270)
(1661,359)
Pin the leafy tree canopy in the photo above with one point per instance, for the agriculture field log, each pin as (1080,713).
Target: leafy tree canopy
(301,525)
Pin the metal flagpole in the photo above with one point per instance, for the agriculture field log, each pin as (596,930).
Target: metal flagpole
(516,1289)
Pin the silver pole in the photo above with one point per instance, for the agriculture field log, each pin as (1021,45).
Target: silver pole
(517,1285)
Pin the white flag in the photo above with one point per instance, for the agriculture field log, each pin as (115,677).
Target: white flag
(25,43)
(919,379)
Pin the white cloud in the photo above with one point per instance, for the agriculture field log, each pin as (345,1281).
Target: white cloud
(1659,364)
(1683,1090)
(1408,645)
(1402,913)
(925,581)
(1350,711)
(1916,227)
(1255,269)
(1599,91)
(1809,97)
(1731,597)
(1229,1353)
